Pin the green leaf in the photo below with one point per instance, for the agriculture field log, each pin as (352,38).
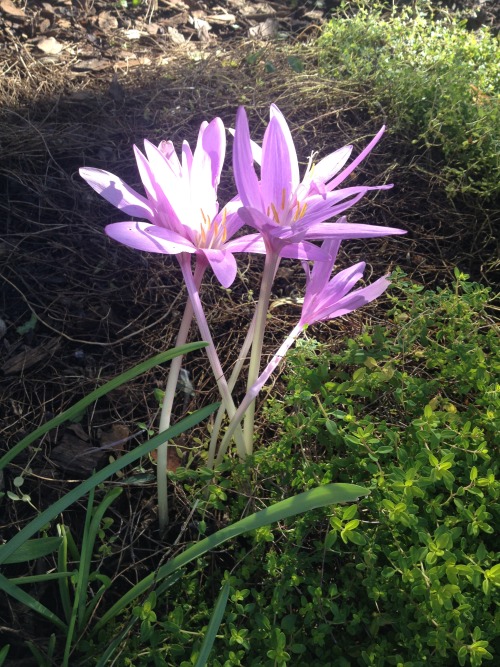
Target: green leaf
(76,409)
(29,601)
(295,63)
(3,653)
(28,326)
(213,626)
(32,549)
(328,494)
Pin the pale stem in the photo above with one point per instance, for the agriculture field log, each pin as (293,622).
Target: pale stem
(232,381)
(168,402)
(227,399)
(254,390)
(270,266)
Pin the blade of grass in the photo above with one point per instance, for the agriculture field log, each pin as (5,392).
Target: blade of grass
(75,409)
(213,626)
(29,601)
(328,494)
(62,568)
(33,549)
(97,478)
(92,521)
(3,653)
(88,547)
(39,578)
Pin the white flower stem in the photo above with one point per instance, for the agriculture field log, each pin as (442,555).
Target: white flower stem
(168,402)
(227,399)
(232,381)
(254,390)
(270,266)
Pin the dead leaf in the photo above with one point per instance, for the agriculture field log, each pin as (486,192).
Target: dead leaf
(106,21)
(92,65)
(11,10)
(175,36)
(30,356)
(115,438)
(133,33)
(222,19)
(77,429)
(173,459)
(266,30)
(257,10)
(44,25)
(75,456)
(50,46)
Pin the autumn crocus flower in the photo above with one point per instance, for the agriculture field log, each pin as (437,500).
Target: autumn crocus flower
(289,211)
(325,298)
(181,217)
(180,210)
(286,209)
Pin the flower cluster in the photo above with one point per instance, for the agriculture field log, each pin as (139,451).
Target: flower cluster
(180,215)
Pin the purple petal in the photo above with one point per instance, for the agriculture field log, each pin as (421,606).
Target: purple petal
(117,192)
(167,149)
(223,265)
(321,271)
(244,172)
(320,207)
(172,191)
(143,236)
(214,145)
(187,157)
(326,168)
(344,281)
(361,297)
(304,251)
(247,243)
(147,176)
(280,168)
(254,218)
(344,174)
(346,230)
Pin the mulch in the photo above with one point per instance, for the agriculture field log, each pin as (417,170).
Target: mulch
(80,84)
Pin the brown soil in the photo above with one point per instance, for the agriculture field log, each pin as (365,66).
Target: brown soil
(78,88)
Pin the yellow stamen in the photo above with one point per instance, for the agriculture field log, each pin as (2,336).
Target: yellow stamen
(283,198)
(275,213)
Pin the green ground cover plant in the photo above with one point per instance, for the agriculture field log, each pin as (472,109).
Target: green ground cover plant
(408,577)
(437,81)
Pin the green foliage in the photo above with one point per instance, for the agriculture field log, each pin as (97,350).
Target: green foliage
(408,577)
(436,80)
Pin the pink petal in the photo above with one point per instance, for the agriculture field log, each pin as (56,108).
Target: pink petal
(361,296)
(346,230)
(304,251)
(117,192)
(322,271)
(326,168)
(223,265)
(143,236)
(171,190)
(167,149)
(344,174)
(147,176)
(248,243)
(187,157)
(214,145)
(244,172)
(280,169)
